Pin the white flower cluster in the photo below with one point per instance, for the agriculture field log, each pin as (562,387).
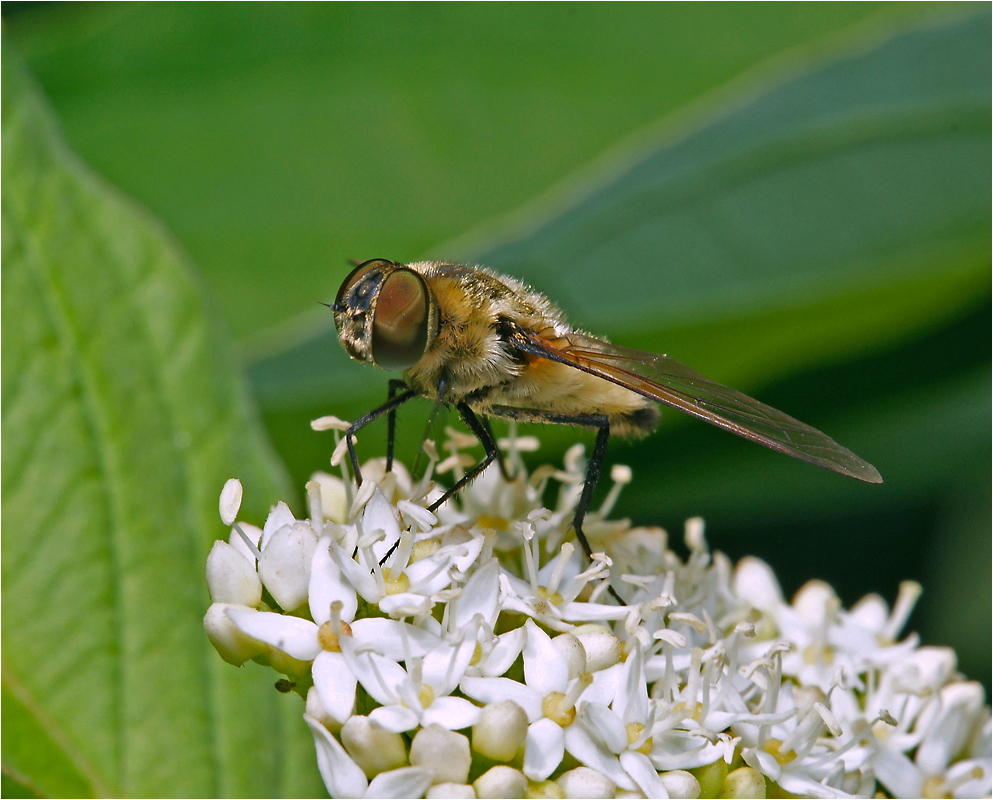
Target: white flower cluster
(475,654)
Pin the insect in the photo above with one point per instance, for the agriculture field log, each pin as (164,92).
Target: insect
(493,347)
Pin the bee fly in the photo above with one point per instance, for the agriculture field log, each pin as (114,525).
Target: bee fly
(493,347)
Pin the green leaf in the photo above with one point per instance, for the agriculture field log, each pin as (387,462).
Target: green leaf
(122,417)
(278,141)
(845,204)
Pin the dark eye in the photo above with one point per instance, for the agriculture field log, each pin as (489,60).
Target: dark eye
(400,324)
(356,275)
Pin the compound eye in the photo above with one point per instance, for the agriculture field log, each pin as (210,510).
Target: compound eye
(400,323)
(356,275)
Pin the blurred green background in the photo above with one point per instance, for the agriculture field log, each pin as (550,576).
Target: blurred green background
(792,199)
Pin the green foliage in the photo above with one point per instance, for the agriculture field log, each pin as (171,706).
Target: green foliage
(794,200)
(122,416)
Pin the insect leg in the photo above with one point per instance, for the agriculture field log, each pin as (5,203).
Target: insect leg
(602,423)
(485,436)
(389,407)
(391,421)
(499,456)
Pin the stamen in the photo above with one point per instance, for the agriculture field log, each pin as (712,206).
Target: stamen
(910,592)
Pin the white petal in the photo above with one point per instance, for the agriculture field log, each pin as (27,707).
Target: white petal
(285,564)
(898,773)
(480,596)
(406,604)
(418,515)
(254,534)
(638,766)
(504,653)
(763,762)
(454,713)
(399,783)
(394,718)
(606,686)
(278,517)
(631,703)
(341,775)
(231,578)
(592,612)
(493,690)
(543,749)
(394,639)
(755,582)
(327,584)
(961,705)
(294,636)
(586,751)
(379,676)
(379,516)
(335,685)
(468,552)
(444,666)
(432,574)
(545,668)
(604,725)
(357,576)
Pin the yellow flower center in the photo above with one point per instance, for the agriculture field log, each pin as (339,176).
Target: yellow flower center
(552,707)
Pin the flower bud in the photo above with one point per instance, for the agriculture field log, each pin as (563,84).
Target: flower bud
(679,783)
(373,749)
(711,777)
(574,652)
(442,751)
(285,564)
(500,731)
(230,643)
(317,710)
(586,782)
(744,782)
(451,791)
(603,649)
(334,498)
(544,790)
(501,781)
(231,578)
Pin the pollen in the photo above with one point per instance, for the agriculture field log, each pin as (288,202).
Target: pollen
(398,586)
(329,639)
(635,729)
(774,747)
(553,707)
(487,521)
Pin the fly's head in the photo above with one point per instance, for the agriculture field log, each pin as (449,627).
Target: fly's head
(386,314)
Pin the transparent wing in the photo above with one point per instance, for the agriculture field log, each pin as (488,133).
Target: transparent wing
(668,381)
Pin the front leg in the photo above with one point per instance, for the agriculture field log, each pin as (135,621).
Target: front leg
(485,436)
(391,421)
(389,407)
(602,423)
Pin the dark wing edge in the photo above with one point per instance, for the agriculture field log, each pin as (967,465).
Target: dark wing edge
(668,381)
